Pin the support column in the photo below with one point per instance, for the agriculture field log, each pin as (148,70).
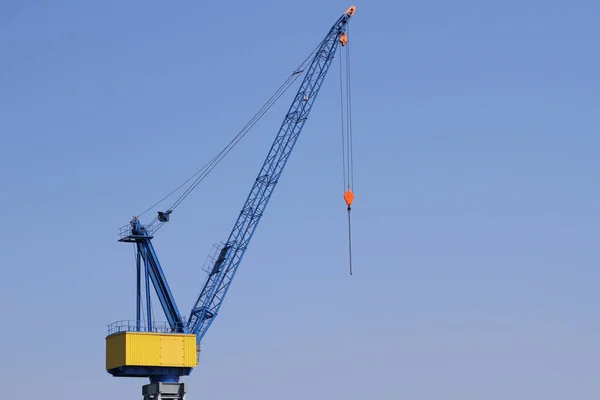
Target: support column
(164,391)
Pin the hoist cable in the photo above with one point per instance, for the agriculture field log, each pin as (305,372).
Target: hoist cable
(350,241)
(347,136)
(349,144)
(199,176)
(343,130)
(208,167)
(215,161)
(349,115)
(346,120)
(175,190)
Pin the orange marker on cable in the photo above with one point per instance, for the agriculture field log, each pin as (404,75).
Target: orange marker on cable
(349,197)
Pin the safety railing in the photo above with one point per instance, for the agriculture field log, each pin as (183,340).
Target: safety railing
(142,326)
(124,231)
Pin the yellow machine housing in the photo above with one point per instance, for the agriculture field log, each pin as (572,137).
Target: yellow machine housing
(150,349)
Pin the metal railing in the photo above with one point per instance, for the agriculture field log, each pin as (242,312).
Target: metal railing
(142,326)
(124,231)
(212,257)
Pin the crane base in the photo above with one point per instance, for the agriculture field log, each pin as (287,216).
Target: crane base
(150,353)
(164,391)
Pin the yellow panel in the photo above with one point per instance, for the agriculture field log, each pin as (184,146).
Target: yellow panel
(151,349)
(191,351)
(142,348)
(115,351)
(172,351)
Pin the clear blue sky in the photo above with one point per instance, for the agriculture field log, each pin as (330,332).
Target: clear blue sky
(475,221)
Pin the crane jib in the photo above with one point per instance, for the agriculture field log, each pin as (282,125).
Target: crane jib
(219,279)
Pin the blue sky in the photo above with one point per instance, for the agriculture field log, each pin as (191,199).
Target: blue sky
(475,220)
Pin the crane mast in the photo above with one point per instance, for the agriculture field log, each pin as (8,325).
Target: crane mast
(140,349)
(225,266)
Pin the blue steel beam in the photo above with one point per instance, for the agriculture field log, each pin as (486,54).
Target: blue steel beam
(153,269)
(219,279)
(138,308)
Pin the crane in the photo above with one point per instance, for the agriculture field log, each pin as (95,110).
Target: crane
(165,352)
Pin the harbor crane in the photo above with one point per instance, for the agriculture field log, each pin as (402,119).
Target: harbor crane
(165,352)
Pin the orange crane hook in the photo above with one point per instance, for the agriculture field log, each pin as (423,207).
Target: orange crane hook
(349,197)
